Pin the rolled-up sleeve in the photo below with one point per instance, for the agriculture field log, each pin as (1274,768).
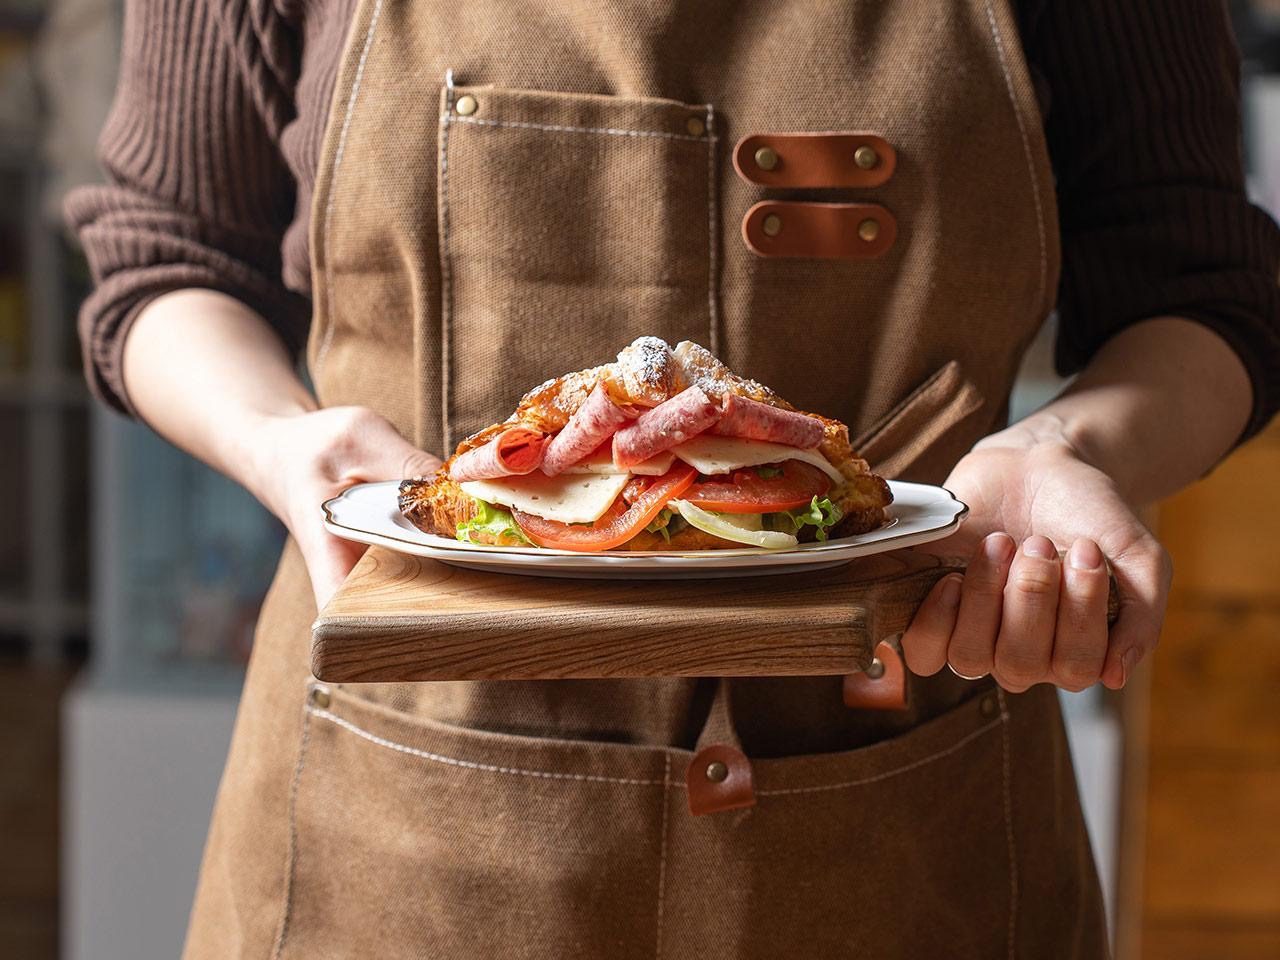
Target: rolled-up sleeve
(1143,126)
(197,192)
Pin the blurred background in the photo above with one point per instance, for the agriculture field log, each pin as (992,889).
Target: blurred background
(130,578)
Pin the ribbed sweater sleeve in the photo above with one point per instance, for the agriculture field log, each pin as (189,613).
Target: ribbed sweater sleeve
(198,194)
(1143,125)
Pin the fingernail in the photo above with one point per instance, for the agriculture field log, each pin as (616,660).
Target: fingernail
(950,595)
(999,547)
(1041,548)
(1085,555)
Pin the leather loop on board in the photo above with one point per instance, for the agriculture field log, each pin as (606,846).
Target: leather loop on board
(814,159)
(819,231)
(719,779)
(882,687)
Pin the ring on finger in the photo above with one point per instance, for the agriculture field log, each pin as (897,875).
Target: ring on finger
(962,676)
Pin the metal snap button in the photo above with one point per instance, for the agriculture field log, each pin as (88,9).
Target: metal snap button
(695,126)
(466,105)
(866,158)
(772,225)
(989,706)
(868,230)
(876,670)
(717,772)
(320,697)
(766,158)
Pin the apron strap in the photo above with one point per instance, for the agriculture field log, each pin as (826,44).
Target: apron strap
(719,774)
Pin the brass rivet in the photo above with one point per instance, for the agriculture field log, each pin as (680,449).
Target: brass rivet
(989,706)
(866,158)
(766,158)
(717,772)
(772,225)
(466,105)
(320,697)
(876,670)
(869,229)
(695,126)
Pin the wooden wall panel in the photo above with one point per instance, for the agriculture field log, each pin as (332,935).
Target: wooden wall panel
(1207,806)
(1216,686)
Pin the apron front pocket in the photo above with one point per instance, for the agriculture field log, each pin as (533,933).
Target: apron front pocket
(569,225)
(411,838)
(904,848)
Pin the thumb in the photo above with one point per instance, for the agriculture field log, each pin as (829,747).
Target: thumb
(390,456)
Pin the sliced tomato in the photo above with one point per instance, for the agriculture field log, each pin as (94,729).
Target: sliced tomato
(620,522)
(748,492)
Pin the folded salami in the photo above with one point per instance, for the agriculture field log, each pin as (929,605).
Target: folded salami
(753,420)
(513,452)
(590,425)
(667,425)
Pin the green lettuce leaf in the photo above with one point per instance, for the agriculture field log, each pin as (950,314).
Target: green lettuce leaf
(666,523)
(495,521)
(820,513)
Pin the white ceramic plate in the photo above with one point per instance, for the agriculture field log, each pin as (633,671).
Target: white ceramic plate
(368,513)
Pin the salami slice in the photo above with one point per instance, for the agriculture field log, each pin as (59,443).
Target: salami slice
(590,424)
(515,451)
(753,420)
(668,424)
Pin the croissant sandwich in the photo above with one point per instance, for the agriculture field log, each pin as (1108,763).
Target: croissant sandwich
(664,449)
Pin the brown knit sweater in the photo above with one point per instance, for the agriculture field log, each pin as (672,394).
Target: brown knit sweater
(212,146)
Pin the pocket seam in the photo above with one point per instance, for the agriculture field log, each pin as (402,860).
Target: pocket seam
(887,774)
(560,128)
(292,862)
(1008,823)
(373,738)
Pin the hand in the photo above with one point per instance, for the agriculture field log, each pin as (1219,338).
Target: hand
(1021,614)
(297,462)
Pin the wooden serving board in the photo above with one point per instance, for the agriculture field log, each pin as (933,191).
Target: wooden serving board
(400,617)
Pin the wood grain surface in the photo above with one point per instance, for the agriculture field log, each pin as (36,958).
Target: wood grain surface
(400,617)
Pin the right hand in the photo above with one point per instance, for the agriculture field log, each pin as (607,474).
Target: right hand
(297,462)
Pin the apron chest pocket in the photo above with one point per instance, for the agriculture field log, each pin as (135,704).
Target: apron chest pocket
(569,225)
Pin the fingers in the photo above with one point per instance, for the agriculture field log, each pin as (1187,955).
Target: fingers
(1027,617)
(1024,645)
(329,560)
(924,645)
(1080,640)
(971,652)
(1143,574)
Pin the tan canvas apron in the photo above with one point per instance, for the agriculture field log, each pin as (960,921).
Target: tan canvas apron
(461,256)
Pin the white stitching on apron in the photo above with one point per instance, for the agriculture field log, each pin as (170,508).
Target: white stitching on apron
(662,852)
(469,764)
(963,741)
(1026,150)
(446,278)
(713,205)
(333,177)
(559,128)
(1008,823)
(287,912)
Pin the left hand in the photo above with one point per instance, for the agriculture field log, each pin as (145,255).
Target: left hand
(1021,614)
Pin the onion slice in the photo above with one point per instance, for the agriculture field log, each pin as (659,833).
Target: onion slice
(735,527)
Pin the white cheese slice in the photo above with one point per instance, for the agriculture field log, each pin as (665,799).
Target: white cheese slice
(711,454)
(569,498)
(601,461)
